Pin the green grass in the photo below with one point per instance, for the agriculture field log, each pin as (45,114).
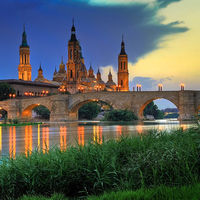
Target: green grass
(21,124)
(127,164)
(158,193)
(191,192)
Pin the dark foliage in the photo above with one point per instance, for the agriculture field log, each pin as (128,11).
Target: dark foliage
(120,115)
(89,111)
(152,109)
(42,111)
(5,90)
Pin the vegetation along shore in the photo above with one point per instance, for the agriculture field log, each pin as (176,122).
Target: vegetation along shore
(144,162)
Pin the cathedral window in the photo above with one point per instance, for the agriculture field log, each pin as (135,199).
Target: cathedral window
(74,53)
(121,65)
(25,58)
(70,54)
(77,74)
(124,65)
(121,82)
(71,75)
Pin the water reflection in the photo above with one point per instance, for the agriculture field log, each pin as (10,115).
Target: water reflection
(0,139)
(97,134)
(28,140)
(81,137)
(63,138)
(12,141)
(45,139)
(24,139)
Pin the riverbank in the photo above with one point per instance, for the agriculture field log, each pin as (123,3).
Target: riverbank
(128,163)
(20,124)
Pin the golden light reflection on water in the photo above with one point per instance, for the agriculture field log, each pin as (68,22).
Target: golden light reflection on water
(12,141)
(97,134)
(63,138)
(119,131)
(183,126)
(45,139)
(139,129)
(38,136)
(28,140)
(81,140)
(0,138)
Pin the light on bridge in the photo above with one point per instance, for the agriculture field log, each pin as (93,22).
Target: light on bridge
(139,87)
(159,87)
(0,108)
(12,95)
(182,86)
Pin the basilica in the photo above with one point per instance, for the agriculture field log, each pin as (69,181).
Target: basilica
(74,76)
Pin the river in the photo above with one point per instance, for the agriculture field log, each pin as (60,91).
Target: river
(21,139)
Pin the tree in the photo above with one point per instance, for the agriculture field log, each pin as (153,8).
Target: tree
(5,90)
(89,111)
(152,109)
(42,111)
(120,115)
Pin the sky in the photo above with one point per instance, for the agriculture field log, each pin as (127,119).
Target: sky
(161,38)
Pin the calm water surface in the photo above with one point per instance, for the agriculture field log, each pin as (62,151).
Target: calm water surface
(21,139)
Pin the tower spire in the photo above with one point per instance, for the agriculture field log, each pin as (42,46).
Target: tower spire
(73,32)
(122,47)
(24,39)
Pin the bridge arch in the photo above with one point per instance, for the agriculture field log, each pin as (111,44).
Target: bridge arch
(3,112)
(27,112)
(78,104)
(73,109)
(143,106)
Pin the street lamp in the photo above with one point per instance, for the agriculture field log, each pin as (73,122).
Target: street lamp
(159,87)
(119,87)
(182,86)
(138,87)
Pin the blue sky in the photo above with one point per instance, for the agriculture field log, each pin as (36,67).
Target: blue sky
(160,37)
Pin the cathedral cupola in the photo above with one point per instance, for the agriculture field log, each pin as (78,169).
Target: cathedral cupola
(110,76)
(98,75)
(61,67)
(73,33)
(55,72)
(40,71)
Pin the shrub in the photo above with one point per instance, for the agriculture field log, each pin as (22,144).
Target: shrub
(89,111)
(16,121)
(120,115)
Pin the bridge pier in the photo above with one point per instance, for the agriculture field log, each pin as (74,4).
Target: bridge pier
(186,105)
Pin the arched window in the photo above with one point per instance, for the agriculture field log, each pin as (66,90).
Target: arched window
(74,53)
(121,82)
(121,65)
(77,74)
(71,74)
(25,58)
(124,65)
(70,54)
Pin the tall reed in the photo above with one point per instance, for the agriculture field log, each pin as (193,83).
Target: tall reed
(129,163)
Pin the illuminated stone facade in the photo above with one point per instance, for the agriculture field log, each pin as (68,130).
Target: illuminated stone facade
(24,68)
(76,78)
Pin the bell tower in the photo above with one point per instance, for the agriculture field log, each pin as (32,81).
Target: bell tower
(123,75)
(24,68)
(73,63)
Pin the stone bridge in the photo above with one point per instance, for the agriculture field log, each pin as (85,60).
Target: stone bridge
(65,107)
